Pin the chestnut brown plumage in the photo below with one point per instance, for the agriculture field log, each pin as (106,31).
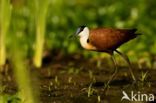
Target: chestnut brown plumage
(107,40)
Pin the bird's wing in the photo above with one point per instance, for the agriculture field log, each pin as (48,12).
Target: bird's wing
(110,39)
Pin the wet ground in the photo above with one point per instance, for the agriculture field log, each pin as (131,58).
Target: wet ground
(77,80)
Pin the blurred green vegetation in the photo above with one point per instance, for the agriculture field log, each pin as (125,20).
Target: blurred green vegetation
(64,16)
(5,14)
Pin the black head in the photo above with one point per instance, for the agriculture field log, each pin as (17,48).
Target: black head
(80,28)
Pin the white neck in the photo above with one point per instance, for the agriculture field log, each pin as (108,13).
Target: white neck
(84,36)
(83,41)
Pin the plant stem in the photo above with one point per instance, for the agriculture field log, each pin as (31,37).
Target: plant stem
(5,14)
(40,18)
(22,75)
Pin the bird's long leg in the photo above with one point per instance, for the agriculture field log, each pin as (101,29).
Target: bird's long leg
(125,57)
(115,71)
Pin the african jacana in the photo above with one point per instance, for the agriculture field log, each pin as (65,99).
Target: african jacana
(106,40)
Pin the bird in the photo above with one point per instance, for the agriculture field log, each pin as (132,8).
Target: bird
(108,40)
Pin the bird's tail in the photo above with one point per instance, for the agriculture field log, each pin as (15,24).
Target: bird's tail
(134,32)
